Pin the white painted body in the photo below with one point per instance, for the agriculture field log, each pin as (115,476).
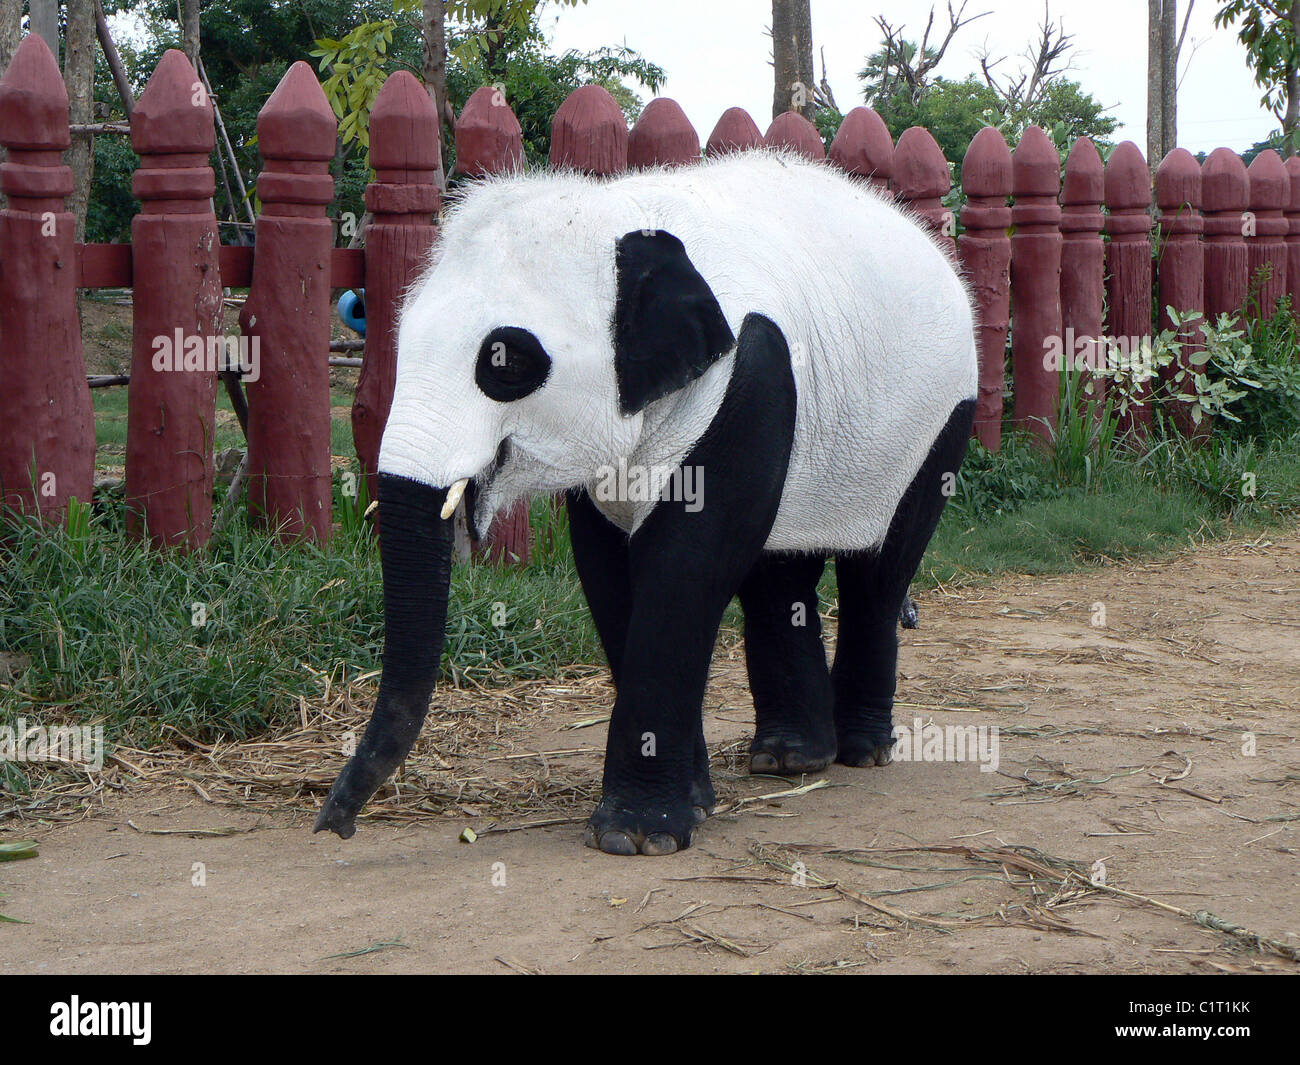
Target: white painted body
(879,326)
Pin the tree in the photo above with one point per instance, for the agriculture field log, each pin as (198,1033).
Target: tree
(904,67)
(1270,30)
(1164,48)
(792,58)
(899,83)
(79,48)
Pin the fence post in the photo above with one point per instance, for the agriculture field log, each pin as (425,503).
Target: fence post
(1083,260)
(1225,197)
(1266,253)
(402,199)
(490,141)
(1181,267)
(985,252)
(863,147)
(1128,264)
(47,430)
(589,133)
(287,313)
(921,180)
(662,136)
(1035,279)
(791,130)
(171,403)
(488,137)
(1292,215)
(735,132)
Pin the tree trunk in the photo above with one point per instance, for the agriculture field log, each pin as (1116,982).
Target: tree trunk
(1169,80)
(11,30)
(79,76)
(45,23)
(1155,82)
(114,61)
(792,57)
(1292,91)
(434,61)
(190,30)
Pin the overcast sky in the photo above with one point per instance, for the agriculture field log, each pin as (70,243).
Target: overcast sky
(716,54)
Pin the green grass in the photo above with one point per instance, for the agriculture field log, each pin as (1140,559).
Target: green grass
(105,630)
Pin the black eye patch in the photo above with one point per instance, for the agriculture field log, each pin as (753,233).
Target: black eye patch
(511,364)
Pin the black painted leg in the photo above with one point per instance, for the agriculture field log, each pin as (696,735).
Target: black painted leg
(873,590)
(794,730)
(684,567)
(865,672)
(600,552)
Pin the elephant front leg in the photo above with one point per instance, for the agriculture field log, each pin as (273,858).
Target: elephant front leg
(655,788)
(601,553)
(685,563)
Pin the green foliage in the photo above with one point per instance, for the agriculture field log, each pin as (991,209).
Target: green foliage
(490,42)
(1272,49)
(1245,375)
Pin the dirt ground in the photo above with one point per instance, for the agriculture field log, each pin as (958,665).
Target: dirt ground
(1160,744)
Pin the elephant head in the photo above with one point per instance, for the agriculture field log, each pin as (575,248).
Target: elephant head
(527,355)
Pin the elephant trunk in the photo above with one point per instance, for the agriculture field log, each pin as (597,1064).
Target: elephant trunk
(415,545)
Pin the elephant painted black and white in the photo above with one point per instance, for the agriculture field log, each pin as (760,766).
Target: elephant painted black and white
(774,335)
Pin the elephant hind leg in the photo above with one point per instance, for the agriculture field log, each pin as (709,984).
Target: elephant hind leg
(794,731)
(873,589)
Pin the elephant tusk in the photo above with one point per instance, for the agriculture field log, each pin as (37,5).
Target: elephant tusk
(454,494)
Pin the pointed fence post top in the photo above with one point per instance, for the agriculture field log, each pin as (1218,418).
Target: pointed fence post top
(296,136)
(736,131)
(1269,183)
(1035,165)
(297,122)
(34,100)
(920,170)
(489,139)
(791,130)
(1225,184)
(589,133)
(173,115)
(662,136)
(404,126)
(1128,181)
(1085,175)
(986,166)
(863,147)
(1178,181)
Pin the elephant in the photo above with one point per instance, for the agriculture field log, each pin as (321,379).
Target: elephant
(732,371)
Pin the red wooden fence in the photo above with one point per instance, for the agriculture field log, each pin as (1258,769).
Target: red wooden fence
(1065,262)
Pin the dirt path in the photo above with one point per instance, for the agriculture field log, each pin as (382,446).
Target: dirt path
(1125,744)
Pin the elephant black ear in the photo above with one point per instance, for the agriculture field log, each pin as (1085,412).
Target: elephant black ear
(668,327)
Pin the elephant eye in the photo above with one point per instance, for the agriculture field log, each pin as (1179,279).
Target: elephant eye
(511,364)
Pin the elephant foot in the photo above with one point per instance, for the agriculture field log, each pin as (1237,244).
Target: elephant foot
(617,828)
(784,755)
(866,744)
(703,800)
(867,755)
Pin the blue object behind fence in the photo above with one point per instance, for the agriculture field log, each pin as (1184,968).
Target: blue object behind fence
(352,310)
